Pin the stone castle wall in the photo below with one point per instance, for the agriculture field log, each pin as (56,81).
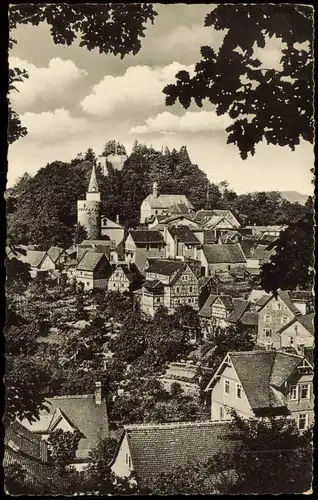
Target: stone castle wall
(89,216)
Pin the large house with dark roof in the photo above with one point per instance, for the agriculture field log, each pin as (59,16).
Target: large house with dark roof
(262,383)
(93,270)
(181,242)
(143,244)
(220,258)
(273,314)
(84,413)
(161,204)
(170,283)
(151,449)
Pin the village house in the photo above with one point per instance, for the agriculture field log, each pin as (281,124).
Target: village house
(84,413)
(298,333)
(159,222)
(262,383)
(112,230)
(125,278)
(140,245)
(219,257)
(215,313)
(57,255)
(156,204)
(39,261)
(273,313)
(26,449)
(151,449)
(179,286)
(93,270)
(181,242)
(267,230)
(256,254)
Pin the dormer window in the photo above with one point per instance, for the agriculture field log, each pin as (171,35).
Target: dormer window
(93,190)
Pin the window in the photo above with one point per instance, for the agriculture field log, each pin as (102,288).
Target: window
(229,267)
(278,306)
(296,329)
(156,211)
(178,289)
(157,299)
(284,320)
(190,289)
(114,285)
(227,386)
(238,391)
(126,458)
(221,413)
(293,393)
(267,318)
(129,462)
(268,332)
(304,391)
(303,421)
(291,341)
(87,283)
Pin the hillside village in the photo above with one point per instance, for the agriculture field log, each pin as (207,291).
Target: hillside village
(154,335)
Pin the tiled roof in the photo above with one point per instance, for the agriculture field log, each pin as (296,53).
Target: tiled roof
(209,236)
(300,295)
(307,321)
(33,257)
(165,267)
(179,208)
(205,311)
(54,253)
(227,254)
(90,419)
(202,214)
(167,200)
(214,221)
(261,371)
(147,236)
(248,247)
(90,261)
(184,234)
(131,271)
(153,286)
(249,319)
(285,298)
(237,313)
(164,220)
(158,448)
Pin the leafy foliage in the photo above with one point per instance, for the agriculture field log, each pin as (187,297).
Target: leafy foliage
(263,103)
(113,147)
(63,445)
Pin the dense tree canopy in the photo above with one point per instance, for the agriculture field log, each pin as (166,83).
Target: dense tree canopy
(264,103)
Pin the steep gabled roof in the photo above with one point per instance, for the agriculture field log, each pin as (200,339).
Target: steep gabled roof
(154,286)
(307,321)
(166,201)
(90,261)
(284,296)
(147,236)
(54,253)
(224,254)
(131,271)
(205,311)
(238,311)
(157,448)
(201,215)
(93,185)
(33,257)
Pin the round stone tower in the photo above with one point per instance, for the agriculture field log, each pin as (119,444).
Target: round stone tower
(89,210)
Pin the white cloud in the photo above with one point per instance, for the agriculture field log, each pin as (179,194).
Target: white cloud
(140,86)
(44,83)
(50,126)
(191,122)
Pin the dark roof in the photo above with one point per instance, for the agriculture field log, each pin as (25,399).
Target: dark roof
(178,208)
(307,321)
(248,247)
(184,234)
(90,261)
(300,295)
(202,214)
(249,319)
(83,413)
(260,372)
(154,286)
(165,267)
(227,254)
(147,236)
(285,298)
(54,253)
(157,448)
(205,311)
(239,310)
(209,236)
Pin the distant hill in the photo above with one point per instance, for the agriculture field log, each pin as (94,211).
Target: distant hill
(294,197)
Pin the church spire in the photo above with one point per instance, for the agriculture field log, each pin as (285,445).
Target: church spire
(93,186)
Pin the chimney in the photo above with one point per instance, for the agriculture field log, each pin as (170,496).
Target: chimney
(117,219)
(98,393)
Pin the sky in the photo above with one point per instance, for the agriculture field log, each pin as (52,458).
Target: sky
(75,99)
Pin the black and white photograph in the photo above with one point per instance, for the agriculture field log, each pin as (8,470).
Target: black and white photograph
(159,251)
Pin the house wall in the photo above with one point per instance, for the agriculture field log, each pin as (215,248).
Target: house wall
(170,249)
(220,399)
(300,406)
(299,336)
(118,281)
(224,266)
(301,306)
(121,466)
(271,318)
(85,277)
(185,290)
(252,263)
(149,302)
(115,234)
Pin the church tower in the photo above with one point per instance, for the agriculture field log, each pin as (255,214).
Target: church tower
(89,210)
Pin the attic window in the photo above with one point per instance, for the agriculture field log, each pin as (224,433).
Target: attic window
(238,391)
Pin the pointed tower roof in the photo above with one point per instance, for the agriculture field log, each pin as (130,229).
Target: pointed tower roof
(93,186)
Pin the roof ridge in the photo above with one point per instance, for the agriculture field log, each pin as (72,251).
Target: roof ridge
(167,425)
